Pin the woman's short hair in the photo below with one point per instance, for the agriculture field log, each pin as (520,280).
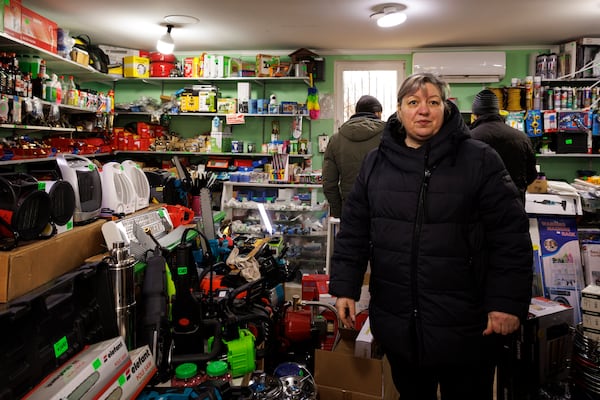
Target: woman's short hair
(417,81)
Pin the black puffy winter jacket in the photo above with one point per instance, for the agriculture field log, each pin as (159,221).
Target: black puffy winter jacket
(448,241)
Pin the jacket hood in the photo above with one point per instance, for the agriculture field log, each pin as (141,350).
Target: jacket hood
(444,143)
(482,119)
(362,127)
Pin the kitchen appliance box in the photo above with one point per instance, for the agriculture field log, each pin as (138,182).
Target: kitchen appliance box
(33,264)
(340,375)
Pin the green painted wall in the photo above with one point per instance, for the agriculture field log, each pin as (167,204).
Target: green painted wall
(258,130)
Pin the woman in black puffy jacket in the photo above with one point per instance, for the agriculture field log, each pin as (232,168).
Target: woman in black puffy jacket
(441,222)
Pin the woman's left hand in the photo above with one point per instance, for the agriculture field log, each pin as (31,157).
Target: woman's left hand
(501,323)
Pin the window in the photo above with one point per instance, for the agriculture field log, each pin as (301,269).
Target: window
(356,78)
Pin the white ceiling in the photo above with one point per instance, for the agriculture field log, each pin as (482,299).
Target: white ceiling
(325,26)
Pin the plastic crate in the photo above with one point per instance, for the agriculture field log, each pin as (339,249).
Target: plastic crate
(44,328)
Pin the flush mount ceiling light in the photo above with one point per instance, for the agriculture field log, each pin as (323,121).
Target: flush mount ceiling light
(165,43)
(389,15)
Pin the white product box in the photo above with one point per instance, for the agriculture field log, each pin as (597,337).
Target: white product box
(590,298)
(87,374)
(590,256)
(561,255)
(364,344)
(553,204)
(130,383)
(591,319)
(243,91)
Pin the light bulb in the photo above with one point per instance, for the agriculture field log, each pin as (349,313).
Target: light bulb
(165,43)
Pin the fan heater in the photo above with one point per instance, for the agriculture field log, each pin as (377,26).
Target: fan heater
(84,177)
(24,209)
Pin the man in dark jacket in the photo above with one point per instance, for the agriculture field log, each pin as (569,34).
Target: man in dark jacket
(347,149)
(441,222)
(513,145)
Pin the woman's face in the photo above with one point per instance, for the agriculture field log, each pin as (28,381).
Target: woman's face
(421,114)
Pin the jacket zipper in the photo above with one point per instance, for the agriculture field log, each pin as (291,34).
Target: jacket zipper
(414,255)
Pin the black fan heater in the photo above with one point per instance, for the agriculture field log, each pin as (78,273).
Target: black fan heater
(24,208)
(62,195)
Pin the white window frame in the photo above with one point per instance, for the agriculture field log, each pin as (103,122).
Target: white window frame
(340,66)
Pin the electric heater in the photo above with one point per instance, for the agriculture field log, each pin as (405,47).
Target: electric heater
(85,179)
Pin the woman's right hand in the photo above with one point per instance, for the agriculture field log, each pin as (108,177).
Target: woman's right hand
(346,309)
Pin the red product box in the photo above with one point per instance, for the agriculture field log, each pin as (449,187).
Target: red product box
(314,285)
(12,18)
(38,31)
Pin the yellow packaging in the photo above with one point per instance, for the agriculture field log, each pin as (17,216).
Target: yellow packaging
(189,102)
(136,67)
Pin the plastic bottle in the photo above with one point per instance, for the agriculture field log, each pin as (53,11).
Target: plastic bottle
(216,124)
(72,93)
(51,88)
(61,93)
(218,370)
(187,375)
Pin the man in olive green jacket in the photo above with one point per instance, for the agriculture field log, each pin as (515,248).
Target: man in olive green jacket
(347,149)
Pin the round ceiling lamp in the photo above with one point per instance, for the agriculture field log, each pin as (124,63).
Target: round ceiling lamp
(389,15)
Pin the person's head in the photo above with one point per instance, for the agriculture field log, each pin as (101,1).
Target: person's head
(422,107)
(485,102)
(368,104)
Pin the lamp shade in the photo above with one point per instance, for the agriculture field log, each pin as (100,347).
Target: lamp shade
(391,17)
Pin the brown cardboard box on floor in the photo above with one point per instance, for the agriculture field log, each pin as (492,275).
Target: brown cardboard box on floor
(33,264)
(340,375)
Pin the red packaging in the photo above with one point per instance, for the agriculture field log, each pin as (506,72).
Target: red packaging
(161,68)
(38,31)
(155,56)
(12,18)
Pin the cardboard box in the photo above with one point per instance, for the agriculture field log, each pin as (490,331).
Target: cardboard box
(94,369)
(38,30)
(117,54)
(590,256)
(561,261)
(365,345)
(130,383)
(136,67)
(11,21)
(590,298)
(80,56)
(538,186)
(36,263)
(341,375)
(538,354)
(313,285)
(553,204)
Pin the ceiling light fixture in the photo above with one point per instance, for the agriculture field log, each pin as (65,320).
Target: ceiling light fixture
(389,15)
(165,43)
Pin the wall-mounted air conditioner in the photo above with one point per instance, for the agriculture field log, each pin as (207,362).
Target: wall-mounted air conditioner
(462,67)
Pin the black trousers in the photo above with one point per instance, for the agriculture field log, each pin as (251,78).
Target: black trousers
(460,382)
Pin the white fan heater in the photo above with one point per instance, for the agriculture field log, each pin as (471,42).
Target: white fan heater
(118,192)
(140,183)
